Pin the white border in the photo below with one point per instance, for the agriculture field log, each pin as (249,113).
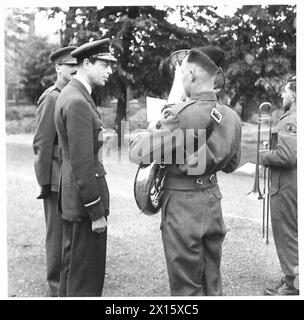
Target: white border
(300,80)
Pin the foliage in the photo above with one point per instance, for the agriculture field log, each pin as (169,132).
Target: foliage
(260,45)
(37,71)
(16,24)
(27,65)
(259,41)
(142,39)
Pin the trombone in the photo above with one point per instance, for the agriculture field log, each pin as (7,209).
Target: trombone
(265,115)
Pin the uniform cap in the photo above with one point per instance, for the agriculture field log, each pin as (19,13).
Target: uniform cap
(98,49)
(215,54)
(63,56)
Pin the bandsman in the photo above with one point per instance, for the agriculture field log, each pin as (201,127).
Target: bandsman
(192,225)
(282,160)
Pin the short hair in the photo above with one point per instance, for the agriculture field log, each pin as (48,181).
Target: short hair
(292,81)
(197,57)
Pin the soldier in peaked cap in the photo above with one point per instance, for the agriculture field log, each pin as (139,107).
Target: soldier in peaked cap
(193,139)
(83,196)
(47,163)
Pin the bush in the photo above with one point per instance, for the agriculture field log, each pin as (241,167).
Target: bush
(20,119)
(107,117)
(136,115)
(26,125)
(139,120)
(20,112)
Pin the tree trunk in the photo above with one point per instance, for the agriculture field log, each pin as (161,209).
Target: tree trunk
(121,111)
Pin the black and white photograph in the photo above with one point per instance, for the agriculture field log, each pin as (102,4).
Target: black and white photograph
(150,151)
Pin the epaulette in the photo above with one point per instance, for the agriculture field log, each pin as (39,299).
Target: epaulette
(46,92)
(52,88)
(178,107)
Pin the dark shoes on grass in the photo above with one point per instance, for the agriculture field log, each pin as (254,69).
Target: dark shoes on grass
(283,289)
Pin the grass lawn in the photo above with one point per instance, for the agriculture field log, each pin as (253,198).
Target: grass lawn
(135,260)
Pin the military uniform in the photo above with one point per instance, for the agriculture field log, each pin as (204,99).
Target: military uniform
(83,190)
(47,167)
(283,192)
(191,221)
(84,195)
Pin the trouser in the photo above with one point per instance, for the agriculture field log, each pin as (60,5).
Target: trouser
(83,260)
(284,221)
(53,242)
(193,232)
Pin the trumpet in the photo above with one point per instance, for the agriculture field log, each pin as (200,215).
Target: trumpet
(265,115)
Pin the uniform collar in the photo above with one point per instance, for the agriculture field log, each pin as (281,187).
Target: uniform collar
(78,84)
(288,112)
(206,96)
(84,82)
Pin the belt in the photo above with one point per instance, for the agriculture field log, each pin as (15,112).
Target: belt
(190,183)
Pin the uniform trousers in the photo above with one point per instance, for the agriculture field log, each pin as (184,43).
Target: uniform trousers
(83,260)
(53,242)
(193,232)
(284,221)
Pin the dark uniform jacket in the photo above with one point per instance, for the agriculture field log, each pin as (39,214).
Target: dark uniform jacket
(78,125)
(221,152)
(45,143)
(283,158)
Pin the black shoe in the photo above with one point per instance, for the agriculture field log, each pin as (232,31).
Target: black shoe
(283,289)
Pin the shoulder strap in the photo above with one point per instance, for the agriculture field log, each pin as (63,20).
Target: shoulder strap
(182,106)
(51,88)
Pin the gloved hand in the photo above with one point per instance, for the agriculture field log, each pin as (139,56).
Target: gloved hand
(45,192)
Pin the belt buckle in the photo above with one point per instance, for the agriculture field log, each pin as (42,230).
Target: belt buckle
(199,181)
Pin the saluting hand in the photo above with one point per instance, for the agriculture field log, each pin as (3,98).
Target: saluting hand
(99,225)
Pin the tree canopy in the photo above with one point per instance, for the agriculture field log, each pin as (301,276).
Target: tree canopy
(27,65)
(259,42)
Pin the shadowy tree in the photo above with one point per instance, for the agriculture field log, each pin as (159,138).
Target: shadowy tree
(38,72)
(260,43)
(142,39)
(27,65)
(17,23)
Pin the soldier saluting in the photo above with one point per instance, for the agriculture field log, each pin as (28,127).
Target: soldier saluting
(192,224)
(47,163)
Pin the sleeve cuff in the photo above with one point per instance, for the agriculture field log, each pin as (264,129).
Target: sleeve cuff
(95,209)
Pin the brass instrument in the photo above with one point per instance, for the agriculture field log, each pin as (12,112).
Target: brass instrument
(149,179)
(265,115)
